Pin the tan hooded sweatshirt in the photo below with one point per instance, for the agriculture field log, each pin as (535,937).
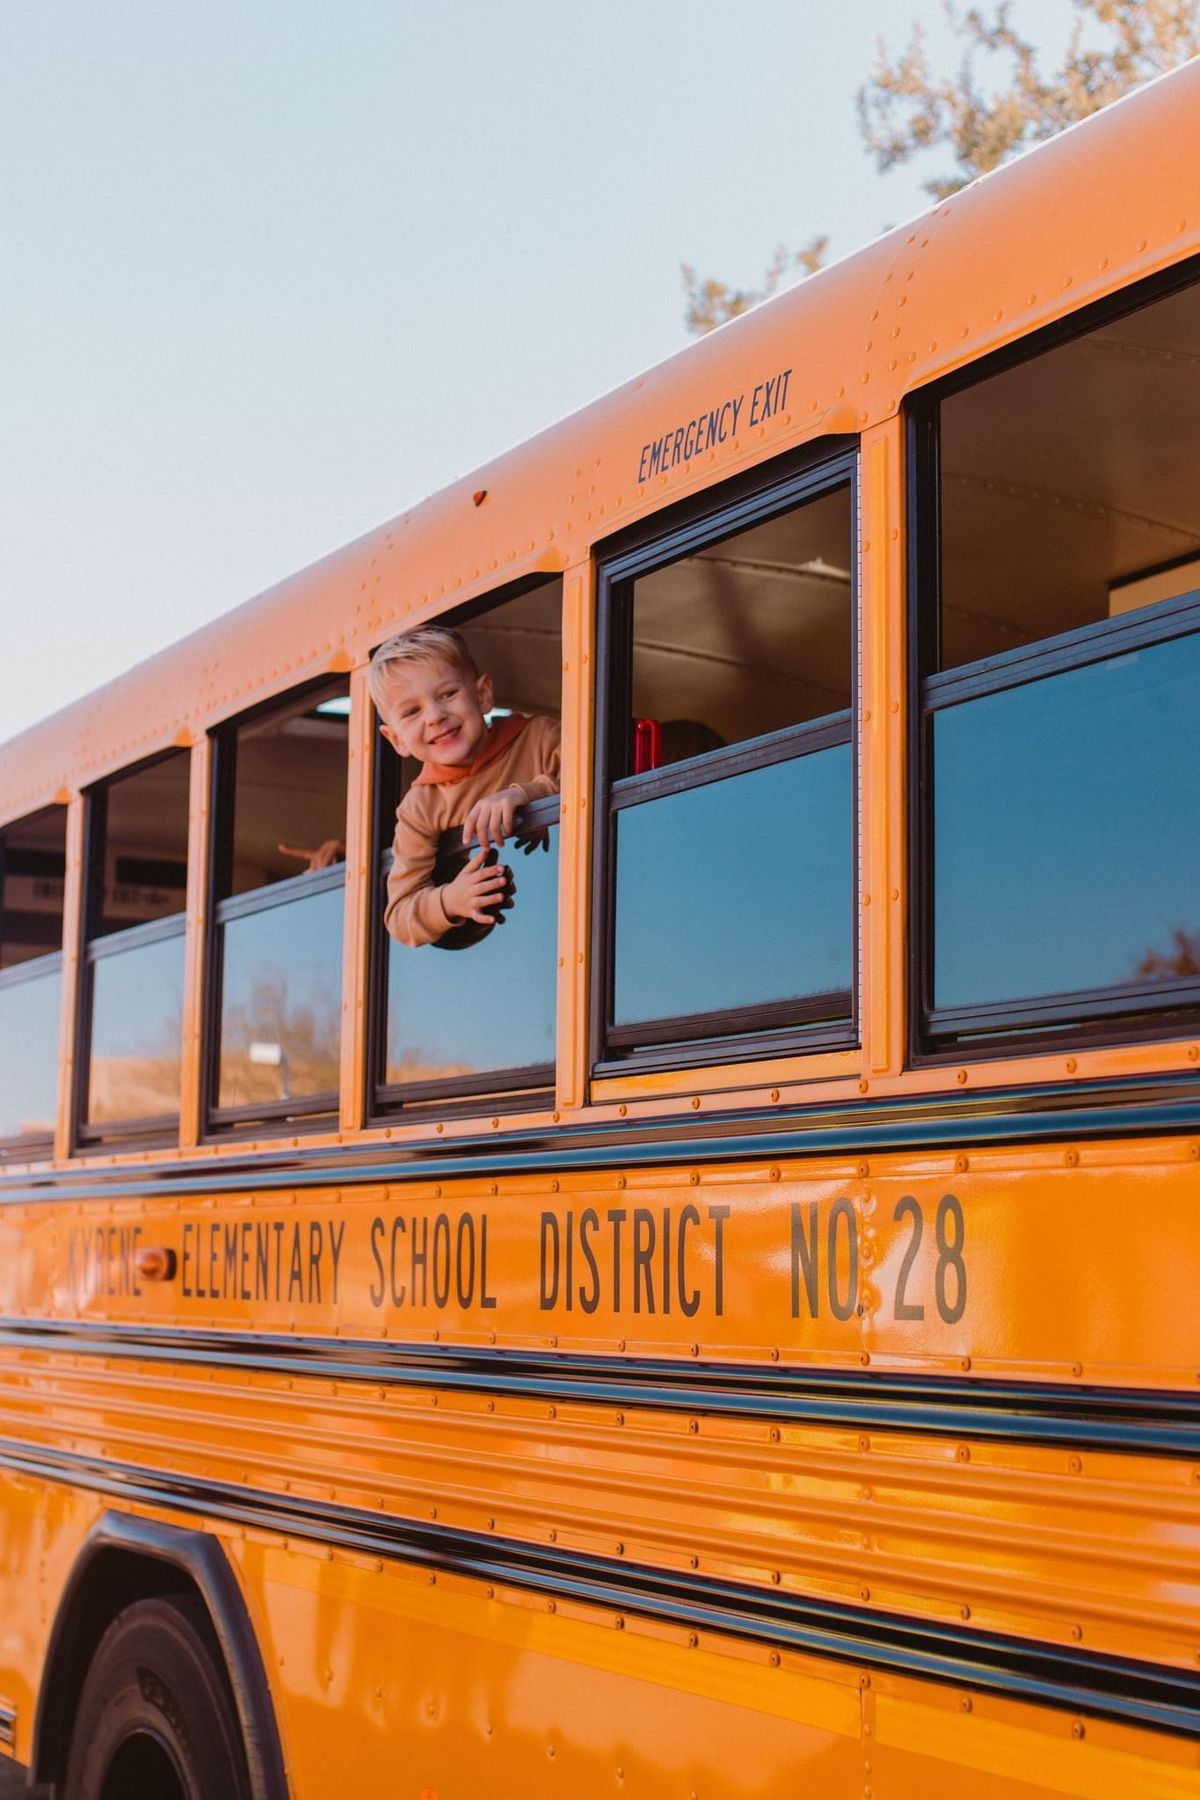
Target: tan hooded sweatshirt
(525,755)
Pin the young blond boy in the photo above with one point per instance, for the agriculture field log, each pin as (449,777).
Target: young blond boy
(432,701)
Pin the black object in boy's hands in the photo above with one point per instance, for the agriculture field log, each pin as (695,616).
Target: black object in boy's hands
(449,864)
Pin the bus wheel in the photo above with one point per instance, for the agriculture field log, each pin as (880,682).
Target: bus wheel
(155,1718)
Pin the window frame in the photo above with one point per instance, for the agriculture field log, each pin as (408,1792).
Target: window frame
(315,1112)
(735,1034)
(150,1130)
(1090,1018)
(455,1096)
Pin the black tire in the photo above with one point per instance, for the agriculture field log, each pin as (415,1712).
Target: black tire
(155,1718)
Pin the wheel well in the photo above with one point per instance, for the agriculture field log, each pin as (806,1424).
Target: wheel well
(112,1579)
(125,1559)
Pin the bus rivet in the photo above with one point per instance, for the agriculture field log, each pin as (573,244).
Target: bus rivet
(966,1703)
(623,1110)
(775,1659)
(960,1163)
(775,1436)
(1072,1158)
(774,1093)
(964,1612)
(963,1453)
(696,1104)
(619,1622)
(864,1681)
(961,1076)
(1193,1052)
(966,1362)
(1077,1632)
(620,1181)
(862,1087)
(864,1357)
(693,1640)
(620,1343)
(1078,1728)
(864,1593)
(775,1354)
(774,1174)
(554,1343)
(694,1178)
(1077,1368)
(693,1426)
(1072,1065)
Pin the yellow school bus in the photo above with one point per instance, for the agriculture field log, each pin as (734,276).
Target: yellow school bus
(730,1331)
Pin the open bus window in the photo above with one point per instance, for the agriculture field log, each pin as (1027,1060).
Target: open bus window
(279,879)
(731,817)
(32,867)
(475,1015)
(134,948)
(1061,717)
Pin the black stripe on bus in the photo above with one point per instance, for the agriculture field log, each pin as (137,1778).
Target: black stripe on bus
(1148,1694)
(1129,1107)
(1083,1418)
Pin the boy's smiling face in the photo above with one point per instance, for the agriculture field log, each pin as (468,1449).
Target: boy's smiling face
(434,711)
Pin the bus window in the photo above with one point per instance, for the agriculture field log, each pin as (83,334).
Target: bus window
(1060,713)
(32,865)
(279,879)
(134,943)
(474,1015)
(730,847)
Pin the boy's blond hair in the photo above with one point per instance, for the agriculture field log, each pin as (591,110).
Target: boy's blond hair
(427,643)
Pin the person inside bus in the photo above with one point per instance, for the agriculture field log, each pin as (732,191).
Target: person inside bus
(433,703)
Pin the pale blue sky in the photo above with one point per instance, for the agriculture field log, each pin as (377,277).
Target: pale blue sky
(275,270)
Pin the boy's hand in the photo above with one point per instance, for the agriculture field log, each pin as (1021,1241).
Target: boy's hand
(477,891)
(490,820)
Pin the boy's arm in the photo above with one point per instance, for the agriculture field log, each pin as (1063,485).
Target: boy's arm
(415,913)
(491,818)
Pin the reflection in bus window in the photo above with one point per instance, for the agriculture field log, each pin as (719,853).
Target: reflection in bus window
(731,804)
(134,931)
(32,867)
(280,842)
(1061,719)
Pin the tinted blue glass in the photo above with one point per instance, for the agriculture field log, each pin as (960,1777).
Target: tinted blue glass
(1067,831)
(281,1001)
(29,1055)
(738,892)
(489,1007)
(137,1026)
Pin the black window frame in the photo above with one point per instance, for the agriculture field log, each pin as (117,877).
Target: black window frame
(736,1034)
(1092,1018)
(456,1096)
(33,967)
(154,1130)
(312,1112)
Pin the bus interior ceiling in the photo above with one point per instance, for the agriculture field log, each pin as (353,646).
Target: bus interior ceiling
(1070,483)
(750,634)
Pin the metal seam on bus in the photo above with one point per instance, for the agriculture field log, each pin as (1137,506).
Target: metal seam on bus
(1137,1421)
(1151,1694)
(1168,1105)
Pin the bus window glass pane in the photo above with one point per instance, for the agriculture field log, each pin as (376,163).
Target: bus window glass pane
(29,1012)
(737,893)
(142,856)
(32,865)
(1066,840)
(289,788)
(137,1023)
(281,1001)
(486,1008)
(746,635)
(1070,484)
